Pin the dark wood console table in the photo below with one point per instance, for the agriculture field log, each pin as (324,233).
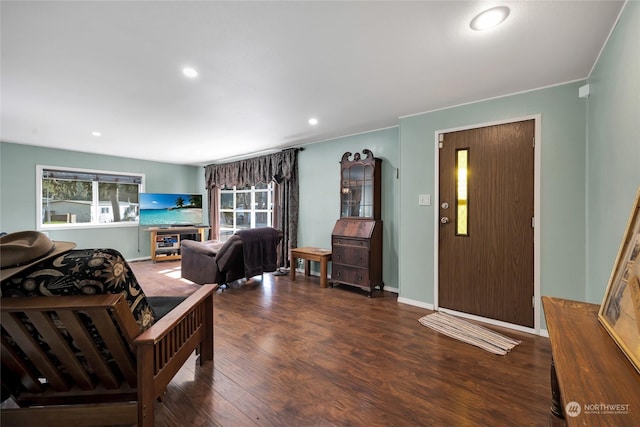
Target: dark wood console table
(590,369)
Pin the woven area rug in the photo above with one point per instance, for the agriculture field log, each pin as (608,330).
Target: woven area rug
(469,332)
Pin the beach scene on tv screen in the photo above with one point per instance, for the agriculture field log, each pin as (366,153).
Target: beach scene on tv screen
(170,209)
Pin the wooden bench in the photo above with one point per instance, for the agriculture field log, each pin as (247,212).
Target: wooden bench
(323,256)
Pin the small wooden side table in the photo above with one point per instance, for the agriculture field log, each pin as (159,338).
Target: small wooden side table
(310,254)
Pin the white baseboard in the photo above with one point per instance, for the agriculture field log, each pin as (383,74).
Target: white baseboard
(415,303)
(494,322)
(541,332)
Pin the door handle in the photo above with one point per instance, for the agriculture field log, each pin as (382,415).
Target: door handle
(444,220)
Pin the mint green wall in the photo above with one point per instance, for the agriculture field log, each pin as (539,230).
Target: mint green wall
(613,149)
(319,169)
(563,159)
(18,187)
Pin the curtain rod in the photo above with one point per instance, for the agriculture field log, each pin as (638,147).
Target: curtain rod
(239,158)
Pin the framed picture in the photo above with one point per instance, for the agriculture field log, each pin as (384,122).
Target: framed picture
(620,309)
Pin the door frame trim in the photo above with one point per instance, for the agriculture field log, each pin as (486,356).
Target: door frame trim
(537,167)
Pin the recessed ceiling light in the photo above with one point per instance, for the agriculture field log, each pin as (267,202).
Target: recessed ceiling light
(489,18)
(96,134)
(313,121)
(190,72)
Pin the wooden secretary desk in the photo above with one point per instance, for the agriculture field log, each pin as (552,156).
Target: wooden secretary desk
(356,240)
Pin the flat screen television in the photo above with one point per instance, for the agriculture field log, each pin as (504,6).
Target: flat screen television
(170,209)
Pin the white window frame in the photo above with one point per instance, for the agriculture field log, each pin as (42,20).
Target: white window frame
(95,207)
(251,212)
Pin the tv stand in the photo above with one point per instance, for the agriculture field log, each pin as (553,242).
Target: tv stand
(166,241)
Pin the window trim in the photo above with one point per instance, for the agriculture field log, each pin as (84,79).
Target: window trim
(82,225)
(252,211)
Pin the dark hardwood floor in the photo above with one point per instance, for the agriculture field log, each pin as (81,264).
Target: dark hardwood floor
(294,354)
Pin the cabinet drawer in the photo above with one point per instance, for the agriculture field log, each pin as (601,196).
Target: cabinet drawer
(351,255)
(347,241)
(357,276)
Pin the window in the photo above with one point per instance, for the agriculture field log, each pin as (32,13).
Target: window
(462,184)
(69,198)
(249,207)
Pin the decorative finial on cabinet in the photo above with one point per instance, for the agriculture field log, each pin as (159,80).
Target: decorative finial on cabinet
(357,157)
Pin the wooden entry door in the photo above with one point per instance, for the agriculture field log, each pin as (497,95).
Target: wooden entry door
(485,255)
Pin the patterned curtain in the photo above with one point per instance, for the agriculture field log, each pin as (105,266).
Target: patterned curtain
(282,169)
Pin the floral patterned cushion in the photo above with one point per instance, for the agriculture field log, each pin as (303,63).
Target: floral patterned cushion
(83,272)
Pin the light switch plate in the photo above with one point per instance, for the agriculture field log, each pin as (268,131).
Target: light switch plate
(424,199)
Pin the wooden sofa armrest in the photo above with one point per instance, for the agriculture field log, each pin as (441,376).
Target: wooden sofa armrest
(162,349)
(161,327)
(79,302)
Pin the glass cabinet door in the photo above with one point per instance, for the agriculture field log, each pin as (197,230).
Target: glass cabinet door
(345,194)
(366,210)
(355,190)
(358,192)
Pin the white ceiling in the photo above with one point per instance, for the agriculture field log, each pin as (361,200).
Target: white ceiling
(265,68)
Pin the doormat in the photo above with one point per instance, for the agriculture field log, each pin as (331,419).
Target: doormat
(468,332)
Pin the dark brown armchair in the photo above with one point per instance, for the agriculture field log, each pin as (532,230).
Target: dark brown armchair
(245,254)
